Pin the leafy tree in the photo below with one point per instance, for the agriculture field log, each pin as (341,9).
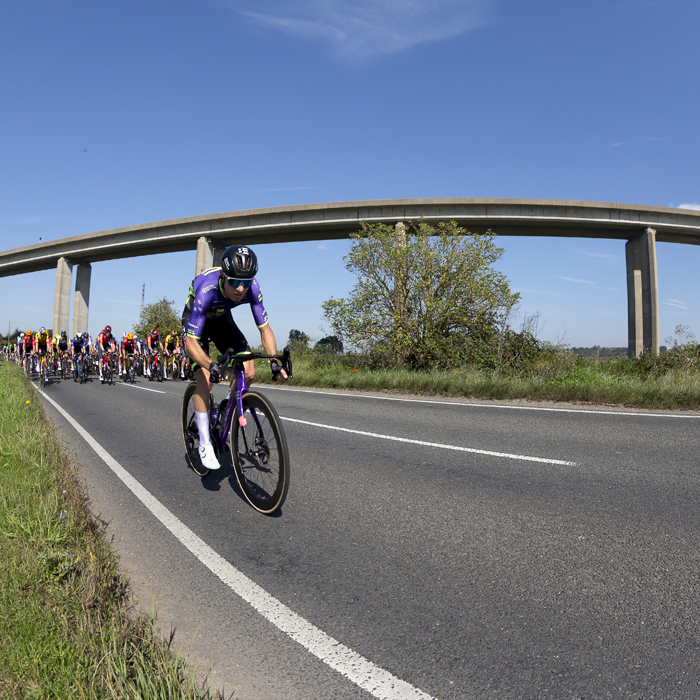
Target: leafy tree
(298,341)
(424,293)
(12,338)
(162,315)
(330,344)
(682,337)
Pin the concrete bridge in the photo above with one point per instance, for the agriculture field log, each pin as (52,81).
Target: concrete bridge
(639,226)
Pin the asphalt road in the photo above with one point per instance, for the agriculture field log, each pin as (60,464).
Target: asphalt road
(458,566)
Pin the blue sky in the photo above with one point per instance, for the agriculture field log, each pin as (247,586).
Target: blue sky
(115,114)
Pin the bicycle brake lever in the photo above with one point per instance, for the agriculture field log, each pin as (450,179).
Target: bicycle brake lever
(287,362)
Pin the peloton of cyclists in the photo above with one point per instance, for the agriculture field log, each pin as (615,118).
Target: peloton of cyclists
(207,318)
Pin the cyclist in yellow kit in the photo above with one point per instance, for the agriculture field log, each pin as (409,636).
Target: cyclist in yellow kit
(172,347)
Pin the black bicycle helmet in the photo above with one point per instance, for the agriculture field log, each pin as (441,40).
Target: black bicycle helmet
(239,262)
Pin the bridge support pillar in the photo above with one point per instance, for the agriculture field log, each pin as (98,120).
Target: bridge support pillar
(61,300)
(642,294)
(205,251)
(81,301)
(218,252)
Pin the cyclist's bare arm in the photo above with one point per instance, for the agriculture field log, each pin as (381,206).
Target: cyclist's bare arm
(268,341)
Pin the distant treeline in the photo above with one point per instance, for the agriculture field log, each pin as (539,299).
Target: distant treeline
(596,351)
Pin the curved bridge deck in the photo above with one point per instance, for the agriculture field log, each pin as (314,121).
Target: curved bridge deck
(640,226)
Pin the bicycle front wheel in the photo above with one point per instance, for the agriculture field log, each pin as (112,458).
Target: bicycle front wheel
(190,432)
(260,454)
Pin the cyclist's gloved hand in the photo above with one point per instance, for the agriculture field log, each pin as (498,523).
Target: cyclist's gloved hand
(278,372)
(214,373)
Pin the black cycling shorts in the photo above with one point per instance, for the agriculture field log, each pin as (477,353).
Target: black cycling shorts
(222,331)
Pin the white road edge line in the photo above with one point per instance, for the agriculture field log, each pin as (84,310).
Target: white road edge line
(480,405)
(440,445)
(375,680)
(143,388)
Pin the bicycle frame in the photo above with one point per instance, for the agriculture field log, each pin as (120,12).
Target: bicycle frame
(235,402)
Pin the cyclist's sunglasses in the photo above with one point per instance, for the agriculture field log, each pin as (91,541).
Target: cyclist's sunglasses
(237,283)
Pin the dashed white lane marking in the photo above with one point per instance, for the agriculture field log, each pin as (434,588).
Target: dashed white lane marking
(375,680)
(484,405)
(440,445)
(144,388)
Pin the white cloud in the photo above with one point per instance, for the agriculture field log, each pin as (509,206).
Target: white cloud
(360,29)
(30,220)
(689,206)
(573,279)
(675,303)
(601,256)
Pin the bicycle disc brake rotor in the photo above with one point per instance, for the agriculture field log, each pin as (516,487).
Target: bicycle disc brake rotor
(261,451)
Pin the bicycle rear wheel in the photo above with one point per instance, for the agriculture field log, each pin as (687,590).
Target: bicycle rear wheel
(260,454)
(190,432)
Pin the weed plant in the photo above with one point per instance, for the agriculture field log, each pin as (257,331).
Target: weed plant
(64,630)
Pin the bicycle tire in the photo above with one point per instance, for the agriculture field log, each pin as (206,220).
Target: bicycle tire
(262,472)
(190,432)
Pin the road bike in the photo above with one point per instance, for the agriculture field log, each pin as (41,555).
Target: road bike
(155,365)
(80,368)
(64,359)
(128,371)
(109,367)
(174,367)
(247,424)
(44,370)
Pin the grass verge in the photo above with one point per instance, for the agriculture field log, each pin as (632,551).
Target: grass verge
(574,381)
(64,629)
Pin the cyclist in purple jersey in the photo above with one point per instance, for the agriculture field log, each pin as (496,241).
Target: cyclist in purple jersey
(207,317)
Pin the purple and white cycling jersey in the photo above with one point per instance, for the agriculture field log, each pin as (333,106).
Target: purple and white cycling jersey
(207,301)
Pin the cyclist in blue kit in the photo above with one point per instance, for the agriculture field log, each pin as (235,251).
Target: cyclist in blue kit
(207,317)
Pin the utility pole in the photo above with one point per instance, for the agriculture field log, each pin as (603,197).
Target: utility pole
(143,295)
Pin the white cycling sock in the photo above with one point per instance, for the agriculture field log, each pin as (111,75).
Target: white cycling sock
(203,427)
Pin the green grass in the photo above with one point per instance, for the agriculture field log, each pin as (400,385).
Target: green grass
(558,378)
(64,632)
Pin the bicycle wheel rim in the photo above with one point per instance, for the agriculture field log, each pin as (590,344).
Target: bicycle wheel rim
(190,433)
(261,460)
